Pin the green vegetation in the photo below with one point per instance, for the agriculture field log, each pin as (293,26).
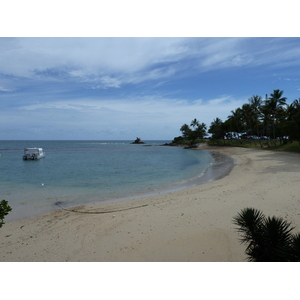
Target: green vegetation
(192,134)
(269,239)
(4,210)
(261,123)
(269,123)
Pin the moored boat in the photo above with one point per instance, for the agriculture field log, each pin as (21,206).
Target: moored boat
(33,153)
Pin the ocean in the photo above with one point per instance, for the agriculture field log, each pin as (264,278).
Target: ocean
(86,172)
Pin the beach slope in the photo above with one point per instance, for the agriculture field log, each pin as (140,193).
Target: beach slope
(194,224)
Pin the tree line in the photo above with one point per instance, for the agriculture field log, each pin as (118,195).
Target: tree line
(268,118)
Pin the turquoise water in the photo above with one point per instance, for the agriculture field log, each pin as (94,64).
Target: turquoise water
(80,172)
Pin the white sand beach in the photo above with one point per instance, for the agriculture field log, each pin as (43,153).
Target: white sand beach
(191,225)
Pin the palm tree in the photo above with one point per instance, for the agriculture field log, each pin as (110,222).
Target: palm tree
(292,123)
(197,134)
(248,116)
(216,128)
(274,104)
(201,131)
(266,118)
(277,96)
(194,123)
(235,118)
(268,239)
(256,102)
(185,129)
(296,103)
(293,108)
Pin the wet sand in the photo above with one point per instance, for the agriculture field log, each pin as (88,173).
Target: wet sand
(193,224)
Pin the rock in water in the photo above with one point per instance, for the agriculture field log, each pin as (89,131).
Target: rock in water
(138,141)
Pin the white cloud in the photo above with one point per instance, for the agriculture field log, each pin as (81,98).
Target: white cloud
(148,117)
(159,73)
(290,79)
(3,89)
(112,62)
(24,56)
(53,105)
(108,81)
(218,101)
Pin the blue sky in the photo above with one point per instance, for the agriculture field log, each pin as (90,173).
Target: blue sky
(121,88)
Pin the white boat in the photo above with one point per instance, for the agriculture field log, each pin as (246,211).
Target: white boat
(33,153)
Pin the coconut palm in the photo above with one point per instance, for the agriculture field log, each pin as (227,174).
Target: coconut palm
(248,116)
(292,122)
(266,118)
(268,238)
(197,134)
(201,130)
(236,120)
(195,123)
(293,108)
(277,97)
(216,128)
(274,104)
(185,129)
(296,104)
(256,102)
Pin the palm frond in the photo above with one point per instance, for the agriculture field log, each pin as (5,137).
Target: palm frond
(249,221)
(277,238)
(277,230)
(267,239)
(292,253)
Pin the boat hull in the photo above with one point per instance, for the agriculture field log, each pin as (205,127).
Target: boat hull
(33,153)
(32,157)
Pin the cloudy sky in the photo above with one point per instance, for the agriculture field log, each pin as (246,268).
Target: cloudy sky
(121,88)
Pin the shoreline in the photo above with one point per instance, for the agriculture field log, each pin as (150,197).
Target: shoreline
(221,167)
(193,224)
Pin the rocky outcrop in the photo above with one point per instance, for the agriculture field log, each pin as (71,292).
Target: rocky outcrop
(138,141)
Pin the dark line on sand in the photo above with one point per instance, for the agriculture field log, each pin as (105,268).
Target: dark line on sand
(97,212)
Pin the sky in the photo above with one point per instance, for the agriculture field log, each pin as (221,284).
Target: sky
(108,88)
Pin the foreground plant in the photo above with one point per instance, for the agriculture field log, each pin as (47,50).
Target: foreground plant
(269,239)
(4,210)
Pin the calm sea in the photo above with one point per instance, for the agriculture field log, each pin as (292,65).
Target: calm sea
(81,172)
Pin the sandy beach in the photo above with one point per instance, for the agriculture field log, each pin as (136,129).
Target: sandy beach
(191,225)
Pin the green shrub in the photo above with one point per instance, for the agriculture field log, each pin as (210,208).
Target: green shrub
(4,210)
(268,239)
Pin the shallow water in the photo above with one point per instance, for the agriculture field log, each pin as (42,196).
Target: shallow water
(81,172)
